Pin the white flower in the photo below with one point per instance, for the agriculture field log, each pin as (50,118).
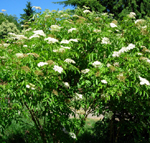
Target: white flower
(96,30)
(98,39)
(25,46)
(139,53)
(70,61)
(108,65)
(34,36)
(19,112)
(55,28)
(85,71)
(65,42)
(105,40)
(57,68)
(65,47)
(65,15)
(123,49)
(11,34)
(144,81)
(40,64)
(39,32)
(70,30)
(20,55)
(144,27)
(72,135)
(97,64)
(104,13)
(113,25)
(104,81)
(3,10)
(36,7)
(74,40)
(79,96)
(116,54)
(116,64)
(131,15)
(60,11)
(27,86)
(131,46)
(51,40)
(47,16)
(139,20)
(20,37)
(66,84)
(5,45)
(86,11)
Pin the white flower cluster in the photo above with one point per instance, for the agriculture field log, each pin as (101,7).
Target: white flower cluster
(86,11)
(105,40)
(3,10)
(104,81)
(143,81)
(85,71)
(78,96)
(96,30)
(139,20)
(70,30)
(67,41)
(57,68)
(61,49)
(37,7)
(70,61)
(5,45)
(66,84)
(123,49)
(97,64)
(18,37)
(132,15)
(51,40)
(65,15)
(19,55)
(40,64)
(113,25)
(39,32)
(55,28)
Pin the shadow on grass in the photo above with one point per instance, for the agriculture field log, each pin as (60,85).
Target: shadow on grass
(95,131)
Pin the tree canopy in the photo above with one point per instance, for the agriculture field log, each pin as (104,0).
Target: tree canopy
(28,13)
(119,8)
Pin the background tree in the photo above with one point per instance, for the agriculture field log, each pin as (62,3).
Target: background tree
(10,19)
(7,27)
(28,13)
(119,8)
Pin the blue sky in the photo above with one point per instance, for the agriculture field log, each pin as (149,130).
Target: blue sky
(15,7)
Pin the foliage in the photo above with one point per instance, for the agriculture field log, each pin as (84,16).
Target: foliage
(77,66)
(118,8)
(7,27)
(10,18)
